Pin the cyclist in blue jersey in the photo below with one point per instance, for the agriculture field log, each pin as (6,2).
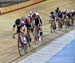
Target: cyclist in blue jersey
(52,22)
(17,25)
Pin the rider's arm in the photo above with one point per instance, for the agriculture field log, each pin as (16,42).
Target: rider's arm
(14,27)
(21,37)
(40,19)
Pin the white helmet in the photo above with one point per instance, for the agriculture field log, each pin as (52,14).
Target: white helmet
(72,10)
(37,13)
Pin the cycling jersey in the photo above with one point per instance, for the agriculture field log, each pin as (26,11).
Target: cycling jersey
(18,24)
(52,17)
(38,21)
(73,14)
(60,14)
(19,27)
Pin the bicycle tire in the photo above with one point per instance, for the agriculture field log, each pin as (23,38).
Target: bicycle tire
(22,48)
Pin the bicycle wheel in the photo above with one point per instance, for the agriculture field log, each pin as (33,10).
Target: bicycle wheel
(22,48)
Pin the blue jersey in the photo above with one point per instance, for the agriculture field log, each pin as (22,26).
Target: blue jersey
(60,14)
(19,27)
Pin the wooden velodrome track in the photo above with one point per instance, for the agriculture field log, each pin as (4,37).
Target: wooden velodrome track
(8,45)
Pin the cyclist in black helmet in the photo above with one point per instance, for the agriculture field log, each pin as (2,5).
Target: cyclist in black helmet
(17,25)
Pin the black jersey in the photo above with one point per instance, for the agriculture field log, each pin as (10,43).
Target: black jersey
(38,21)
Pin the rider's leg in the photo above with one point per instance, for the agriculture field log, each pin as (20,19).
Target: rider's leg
(51,28)
(72,21)
(28,42)
(39,36)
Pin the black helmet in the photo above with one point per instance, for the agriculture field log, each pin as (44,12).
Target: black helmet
(57,8)
(18,21)
(52,12)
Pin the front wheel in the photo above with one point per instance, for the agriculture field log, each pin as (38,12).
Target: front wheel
(22,47)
